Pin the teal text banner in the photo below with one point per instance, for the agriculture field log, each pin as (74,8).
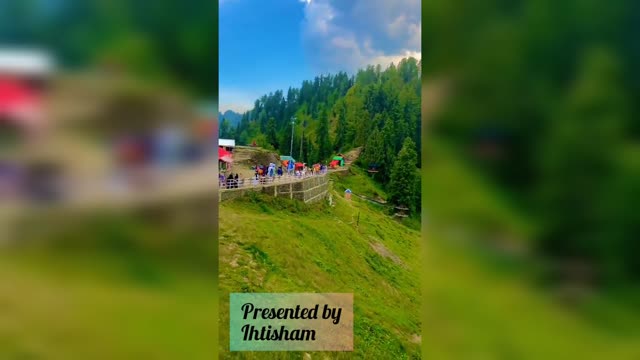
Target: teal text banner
(291,322)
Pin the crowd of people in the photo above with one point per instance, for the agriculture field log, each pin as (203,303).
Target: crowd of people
(264,174)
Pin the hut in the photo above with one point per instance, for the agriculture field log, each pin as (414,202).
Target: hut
(339,159)
(24,75)
(225,159)
(227,144)
(30,166)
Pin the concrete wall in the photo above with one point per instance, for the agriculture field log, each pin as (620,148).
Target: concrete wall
(309,190)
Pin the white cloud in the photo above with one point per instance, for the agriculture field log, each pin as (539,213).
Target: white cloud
(347,35)
(396,27)
(319,16)
(415,35)
(342,42)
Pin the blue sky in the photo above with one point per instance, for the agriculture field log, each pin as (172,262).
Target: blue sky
(266,45)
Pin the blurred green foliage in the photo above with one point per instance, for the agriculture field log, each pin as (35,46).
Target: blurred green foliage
(110,285)
(173,41)
(131,282)
(550,88)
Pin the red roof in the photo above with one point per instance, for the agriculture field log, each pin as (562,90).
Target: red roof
(19,103)
(16,96)
(224,155)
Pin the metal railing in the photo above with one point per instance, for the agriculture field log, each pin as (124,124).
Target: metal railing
(259,181)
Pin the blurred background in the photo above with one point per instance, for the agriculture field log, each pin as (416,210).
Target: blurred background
(108,188)
(532,176)
(108,197)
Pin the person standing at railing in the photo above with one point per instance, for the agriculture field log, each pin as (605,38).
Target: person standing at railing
(290,167)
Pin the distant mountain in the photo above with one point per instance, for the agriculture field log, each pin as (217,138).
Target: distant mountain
(231,116)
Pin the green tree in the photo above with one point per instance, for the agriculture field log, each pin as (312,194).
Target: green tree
(373,152)
(323,141)
(262,141)
(272,137)
(340,125)
(225,127)
(404,176)
(356,118)
(579,161)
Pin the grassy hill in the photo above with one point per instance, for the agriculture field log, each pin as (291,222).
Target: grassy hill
(481,301)
(279,245)
(109,286)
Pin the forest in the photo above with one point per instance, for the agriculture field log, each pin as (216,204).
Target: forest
(376,109)
(546,108)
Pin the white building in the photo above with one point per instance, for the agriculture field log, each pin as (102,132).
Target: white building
(25,62)
(227,144)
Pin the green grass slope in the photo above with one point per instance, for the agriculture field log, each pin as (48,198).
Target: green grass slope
(278,245)
(109,288)
(480,302)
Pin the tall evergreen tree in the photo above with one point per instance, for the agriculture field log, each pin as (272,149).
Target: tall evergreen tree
(404,176)
(340,125)
(373,152)
(272,137)
(323,141)
(225,128)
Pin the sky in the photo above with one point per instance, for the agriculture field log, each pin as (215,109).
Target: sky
(267,45)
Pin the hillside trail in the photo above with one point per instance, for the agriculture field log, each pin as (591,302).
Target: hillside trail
(352,155)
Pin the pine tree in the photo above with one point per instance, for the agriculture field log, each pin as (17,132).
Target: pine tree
(272,137)
(404,176)
(324,144)
(224,128)
(373,152)
(340,126)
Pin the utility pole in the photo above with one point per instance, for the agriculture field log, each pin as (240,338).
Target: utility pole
(301,137)
(293,121)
